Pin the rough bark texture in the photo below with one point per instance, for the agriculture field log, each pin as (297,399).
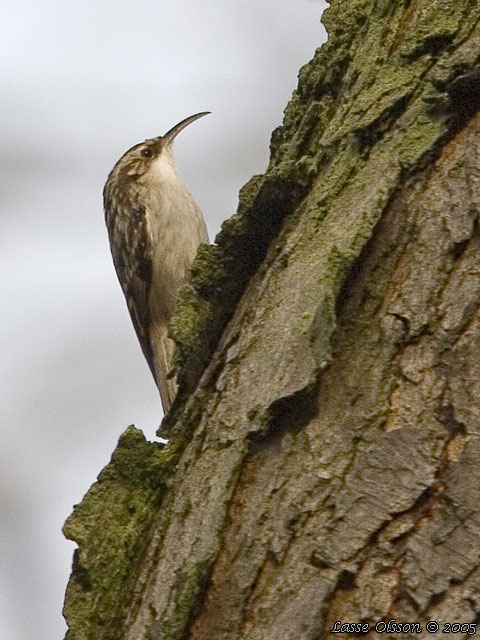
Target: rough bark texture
(324,454)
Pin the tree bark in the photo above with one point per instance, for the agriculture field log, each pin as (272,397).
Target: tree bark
(323,462)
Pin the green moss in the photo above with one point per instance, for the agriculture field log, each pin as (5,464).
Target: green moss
(433,27)
(109,526)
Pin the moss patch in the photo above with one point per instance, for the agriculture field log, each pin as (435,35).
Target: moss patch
(109,526)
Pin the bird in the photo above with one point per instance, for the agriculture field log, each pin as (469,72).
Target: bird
(155,228)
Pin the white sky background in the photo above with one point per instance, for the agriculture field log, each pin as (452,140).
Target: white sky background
(81,82)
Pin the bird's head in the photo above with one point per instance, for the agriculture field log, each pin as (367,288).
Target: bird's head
(152,156)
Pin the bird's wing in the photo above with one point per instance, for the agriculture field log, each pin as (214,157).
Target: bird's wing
(132,256)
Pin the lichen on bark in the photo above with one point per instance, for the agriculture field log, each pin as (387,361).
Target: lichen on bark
(382,65)
(110,526)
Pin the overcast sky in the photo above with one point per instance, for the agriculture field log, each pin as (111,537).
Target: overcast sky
(81,83)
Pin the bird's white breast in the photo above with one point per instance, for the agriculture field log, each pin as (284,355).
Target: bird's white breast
(175,224)
(163,169)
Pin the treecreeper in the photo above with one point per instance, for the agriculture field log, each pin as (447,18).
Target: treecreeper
(155,228)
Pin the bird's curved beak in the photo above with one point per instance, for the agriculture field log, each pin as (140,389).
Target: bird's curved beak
(174,131)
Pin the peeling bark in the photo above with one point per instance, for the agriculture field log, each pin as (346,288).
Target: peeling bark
(324,454)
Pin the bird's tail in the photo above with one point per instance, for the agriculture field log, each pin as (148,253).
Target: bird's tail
(163,348)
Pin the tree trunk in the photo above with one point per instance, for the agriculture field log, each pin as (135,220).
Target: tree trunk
(324,454)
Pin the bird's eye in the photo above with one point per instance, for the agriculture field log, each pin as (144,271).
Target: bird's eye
(147,152)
